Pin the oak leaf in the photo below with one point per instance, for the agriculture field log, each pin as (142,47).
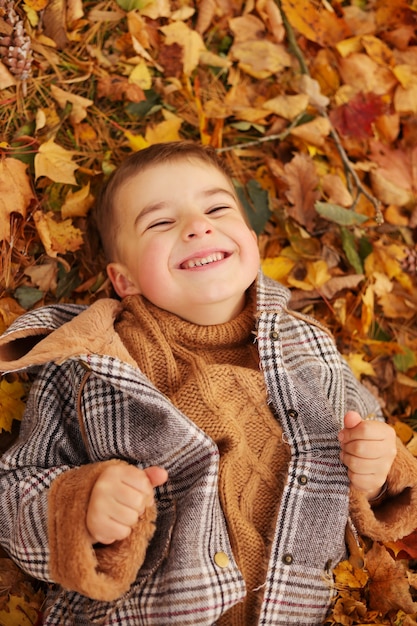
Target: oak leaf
(56,163)
(15,193)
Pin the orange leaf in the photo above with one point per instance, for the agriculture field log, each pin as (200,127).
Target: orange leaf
(315,22)
(302,180)
(405,548)
(57,237)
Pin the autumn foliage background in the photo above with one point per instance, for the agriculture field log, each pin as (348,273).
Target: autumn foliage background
(313,104)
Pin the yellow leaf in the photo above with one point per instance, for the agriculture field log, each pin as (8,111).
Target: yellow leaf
(348,576)
(314,132)
(15,193)
(141,76)
(359,366)
(405,100)
(79,104)
(11,403)
(57,237)
(189,40)
(136,142)
(56,163)
(77,203)
(277,268)
(164,131)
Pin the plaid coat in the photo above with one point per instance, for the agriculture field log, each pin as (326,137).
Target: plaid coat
(89,405)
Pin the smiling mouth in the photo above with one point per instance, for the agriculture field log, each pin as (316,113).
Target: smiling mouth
(206,260)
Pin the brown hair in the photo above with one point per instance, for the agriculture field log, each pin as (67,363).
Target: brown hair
(102,214)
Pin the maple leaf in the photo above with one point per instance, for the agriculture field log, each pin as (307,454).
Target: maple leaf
(356,117)
(57,237)
(302,181)
(56,163)
(11,403)
(15,193)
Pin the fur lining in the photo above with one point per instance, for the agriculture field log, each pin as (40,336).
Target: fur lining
(396,516)
(104,573)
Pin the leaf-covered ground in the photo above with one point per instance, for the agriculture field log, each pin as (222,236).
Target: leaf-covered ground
(313,104)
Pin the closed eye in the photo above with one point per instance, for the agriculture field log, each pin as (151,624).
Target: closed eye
(160,224)
(216,209)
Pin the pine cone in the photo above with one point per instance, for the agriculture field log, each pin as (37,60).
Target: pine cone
(409,263)
(15,45)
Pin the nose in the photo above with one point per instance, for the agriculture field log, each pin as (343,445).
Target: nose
(197,226)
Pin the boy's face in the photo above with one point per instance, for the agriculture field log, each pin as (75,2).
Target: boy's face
(183,243)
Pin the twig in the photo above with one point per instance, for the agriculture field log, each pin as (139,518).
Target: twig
(257,142)
(347,164)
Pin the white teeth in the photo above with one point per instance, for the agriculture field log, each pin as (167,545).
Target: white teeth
(216,256)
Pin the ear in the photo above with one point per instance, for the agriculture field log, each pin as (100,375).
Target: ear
(122,283)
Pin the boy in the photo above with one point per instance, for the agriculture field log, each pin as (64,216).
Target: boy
(187,452)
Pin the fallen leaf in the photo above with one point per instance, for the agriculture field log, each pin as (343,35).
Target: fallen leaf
(77,203)
(287,106)
(191,42)
(12,404)
(388,583)
(56,163)
(79,103)
(316,22)
(57,237)
(15,193)
(44,276)
(302,181)
(356,117)
(261,59)
(359,366)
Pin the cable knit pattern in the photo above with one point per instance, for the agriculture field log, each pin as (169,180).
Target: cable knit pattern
(211,373)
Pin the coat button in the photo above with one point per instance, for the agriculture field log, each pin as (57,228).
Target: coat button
(273,335)
(221,559)
(302,479)
(287,559)
(85,365)
(292,413)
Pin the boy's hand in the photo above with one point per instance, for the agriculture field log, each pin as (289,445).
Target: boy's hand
(118,499)
(368,451)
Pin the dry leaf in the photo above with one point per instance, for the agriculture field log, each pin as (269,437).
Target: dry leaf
(388,585)
(44,276)
(315,22)
(56,163)
(79,104)
(57,237)
(191,42)
(261,59)
(302,180)
(77,203)
(15,193)
(11,403)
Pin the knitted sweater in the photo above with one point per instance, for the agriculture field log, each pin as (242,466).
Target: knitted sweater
(211,373)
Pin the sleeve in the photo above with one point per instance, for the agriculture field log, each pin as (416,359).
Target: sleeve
(396,516)
(45,481)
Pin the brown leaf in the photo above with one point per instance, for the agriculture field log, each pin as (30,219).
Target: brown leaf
(15,193)
(302,180)
(388,585)
(54,22)
(316,21)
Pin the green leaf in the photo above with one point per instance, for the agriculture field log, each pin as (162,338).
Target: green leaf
(255,201)
(403,362)
(28,296)
(338,214)
(349,248)
(131,5)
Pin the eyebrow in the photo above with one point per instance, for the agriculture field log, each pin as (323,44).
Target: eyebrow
(206,193)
